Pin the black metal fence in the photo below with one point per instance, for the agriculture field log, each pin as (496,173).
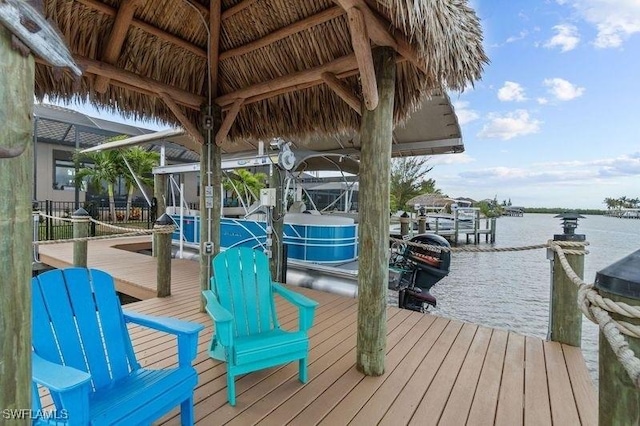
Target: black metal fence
(51,228)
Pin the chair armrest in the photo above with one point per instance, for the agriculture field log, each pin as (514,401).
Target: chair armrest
(187,332)
(221,317)
(71,387)
(306,306)
(58,378)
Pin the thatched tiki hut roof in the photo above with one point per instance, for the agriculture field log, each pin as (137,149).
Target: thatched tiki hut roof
(280,68)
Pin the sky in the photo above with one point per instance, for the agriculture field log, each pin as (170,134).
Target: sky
(555,119)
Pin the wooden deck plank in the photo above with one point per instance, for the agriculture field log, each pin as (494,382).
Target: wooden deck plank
(485,401)
(563,405)
(435,399)
(459,403)
(582,386)
(388,386)
(511,397)
(402,407)
(438,370)
(322,405)
(537,410)
(377,405)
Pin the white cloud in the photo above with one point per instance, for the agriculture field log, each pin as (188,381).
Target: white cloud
(510,125)
(563,90)
(464,113)
(522,34)
(451,159)
(542,101)
(511,91)
(566,38)
(615,20)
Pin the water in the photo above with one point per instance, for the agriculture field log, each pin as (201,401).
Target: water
(511,290)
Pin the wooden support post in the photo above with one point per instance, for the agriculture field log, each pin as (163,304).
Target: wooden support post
(159,193)
(404,225)
(210,199)
(422,224)
(373,231)
(362,49)
(81,220)
(276,262)
(565,320)
(163,228)
(619,398)
(16,226)
(456,227)
(493,229)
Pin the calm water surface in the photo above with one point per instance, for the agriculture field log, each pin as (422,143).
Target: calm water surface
(511,290)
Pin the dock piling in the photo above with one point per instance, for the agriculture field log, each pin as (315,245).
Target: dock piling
(81,220)
(619,398)
(565,323)
(163,228)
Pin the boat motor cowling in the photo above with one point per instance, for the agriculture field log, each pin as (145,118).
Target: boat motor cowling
(414,270)
(430,264)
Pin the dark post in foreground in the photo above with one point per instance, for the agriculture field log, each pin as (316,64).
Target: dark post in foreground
(373,231)
(81,220)
(619,397)
(16,225)
(566,318)
(163,228)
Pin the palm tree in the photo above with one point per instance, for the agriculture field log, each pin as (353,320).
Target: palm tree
(106,169)
(142,163)
(248,183)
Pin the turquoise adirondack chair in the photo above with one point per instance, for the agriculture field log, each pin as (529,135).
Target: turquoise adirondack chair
(82,353)
(247,334)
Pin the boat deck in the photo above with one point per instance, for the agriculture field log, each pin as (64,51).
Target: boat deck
(438,371)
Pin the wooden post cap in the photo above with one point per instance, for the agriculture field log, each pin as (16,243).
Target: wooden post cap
(621,278)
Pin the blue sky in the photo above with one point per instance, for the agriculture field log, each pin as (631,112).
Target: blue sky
(555,120)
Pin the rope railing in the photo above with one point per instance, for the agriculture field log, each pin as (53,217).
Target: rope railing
(125,232)
(597,309)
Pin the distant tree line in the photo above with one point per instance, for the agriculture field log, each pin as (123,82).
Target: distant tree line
(558,210)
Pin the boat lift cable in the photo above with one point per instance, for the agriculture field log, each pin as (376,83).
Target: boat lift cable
(135,177)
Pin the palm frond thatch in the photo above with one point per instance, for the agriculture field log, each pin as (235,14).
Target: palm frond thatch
(445,33)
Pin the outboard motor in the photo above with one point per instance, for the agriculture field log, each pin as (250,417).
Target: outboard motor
(414,270)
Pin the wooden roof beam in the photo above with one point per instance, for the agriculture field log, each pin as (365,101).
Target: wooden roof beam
(302,80)
(343,91)
(237,8)
(291,81)
(112,72)
(119,30)
(362,49)
(296,27)
(382,32)
(225,127)
(379,34)
(182,118)
(163,35)
(215,23)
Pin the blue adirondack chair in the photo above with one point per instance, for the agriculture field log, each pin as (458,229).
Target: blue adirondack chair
(82,353)
(247,334)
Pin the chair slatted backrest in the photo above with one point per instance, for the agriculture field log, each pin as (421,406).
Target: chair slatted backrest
(78,321)
(242,283)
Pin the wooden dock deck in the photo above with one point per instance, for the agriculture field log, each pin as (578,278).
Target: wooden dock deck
(438,371)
